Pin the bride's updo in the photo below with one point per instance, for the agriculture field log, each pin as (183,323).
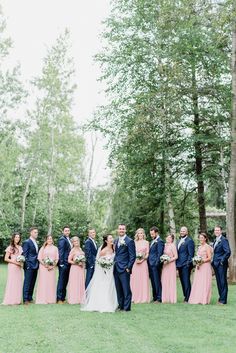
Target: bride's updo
(105,239)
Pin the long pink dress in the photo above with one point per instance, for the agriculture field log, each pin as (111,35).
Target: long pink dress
(168,276)
(76,284)
(13,291)
(140,278)
(46,289)
(202,282)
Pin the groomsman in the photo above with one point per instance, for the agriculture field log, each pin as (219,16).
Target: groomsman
(64,248)
(90,249)
(30,252)
(154,263)
(221,255)
(184,264)
(125,255)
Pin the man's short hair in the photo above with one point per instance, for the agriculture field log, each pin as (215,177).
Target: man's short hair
(156,230)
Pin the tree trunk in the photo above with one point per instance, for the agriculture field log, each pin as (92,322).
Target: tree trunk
(231,201)
(90,174)
(171,214)
(198,157)
(23,202)
(50,185)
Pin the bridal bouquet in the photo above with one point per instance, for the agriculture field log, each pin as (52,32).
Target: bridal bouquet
(197,260)
(20,258)
(48,261)
(139,256)
(105,262)
(80,259)
(165,258)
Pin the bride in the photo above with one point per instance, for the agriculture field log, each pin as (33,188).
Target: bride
(101,292)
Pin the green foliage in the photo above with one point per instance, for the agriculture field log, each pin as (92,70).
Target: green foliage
(166,67)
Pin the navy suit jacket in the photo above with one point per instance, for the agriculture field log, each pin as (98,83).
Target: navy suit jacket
(155,252)
(90,253)
(64,249)
(185,253)
(222,252)
(30,254)
(125,255)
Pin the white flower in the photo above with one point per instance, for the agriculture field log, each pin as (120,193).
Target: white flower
(164,258)
(122,242)
(20,258)
(79,259)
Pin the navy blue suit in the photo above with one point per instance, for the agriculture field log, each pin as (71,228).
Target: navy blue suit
(184,264)
(90,254)
(155,266)
(64,249)
(221,255)
(30,269)
(125,256)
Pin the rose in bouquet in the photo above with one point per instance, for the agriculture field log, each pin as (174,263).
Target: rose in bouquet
(139,256)
(80,259)
(48,261)
(20,258)
(197,260)
(105,262)
(165,258)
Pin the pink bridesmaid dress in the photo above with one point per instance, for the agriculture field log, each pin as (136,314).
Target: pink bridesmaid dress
(168,276)
(140,278)
(46,289)
(76,284)
(13,291)
(202,282)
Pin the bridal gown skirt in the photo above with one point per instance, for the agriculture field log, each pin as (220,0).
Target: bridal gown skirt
(101,293)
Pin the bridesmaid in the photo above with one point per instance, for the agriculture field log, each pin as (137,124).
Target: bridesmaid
(76,284)
(140,278)
(46,289)
(13,291)
(201,288)
(168,276)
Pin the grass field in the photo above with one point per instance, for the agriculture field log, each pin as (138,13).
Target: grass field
(148,328)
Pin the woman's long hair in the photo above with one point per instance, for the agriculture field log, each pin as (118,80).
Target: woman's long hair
(104,239)
(12,243)
(46,240)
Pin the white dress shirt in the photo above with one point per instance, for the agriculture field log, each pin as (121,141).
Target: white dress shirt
(182,240)
(35,244)
(217,240)
(93,242)
(155,240)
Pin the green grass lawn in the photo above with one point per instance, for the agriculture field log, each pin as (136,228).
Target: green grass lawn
(148,328)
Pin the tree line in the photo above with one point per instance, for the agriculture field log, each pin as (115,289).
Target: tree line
(169,69)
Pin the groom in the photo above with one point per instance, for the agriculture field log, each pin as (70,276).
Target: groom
(125,255)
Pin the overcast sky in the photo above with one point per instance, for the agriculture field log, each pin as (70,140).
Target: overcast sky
(34,26)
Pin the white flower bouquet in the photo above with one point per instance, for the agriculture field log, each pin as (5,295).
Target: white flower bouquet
(105,262)
(139,256)
(48,261)
(80,259)
(165,258)
(197,260)
(20,258)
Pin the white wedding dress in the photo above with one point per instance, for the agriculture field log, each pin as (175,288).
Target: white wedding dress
(101,292)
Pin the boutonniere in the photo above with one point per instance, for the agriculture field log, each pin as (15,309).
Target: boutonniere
(122,242)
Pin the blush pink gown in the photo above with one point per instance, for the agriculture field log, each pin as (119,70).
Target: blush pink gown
(76,284)
(13,291)
(46,289)
(140,278)
(168,276)
(202,282)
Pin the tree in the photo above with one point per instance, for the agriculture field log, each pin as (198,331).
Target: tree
(231,202)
